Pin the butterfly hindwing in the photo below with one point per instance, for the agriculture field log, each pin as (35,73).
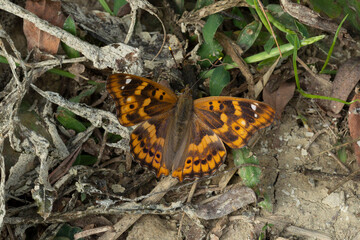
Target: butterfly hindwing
(204,154)
(147,143)
(234,120)
(138,99)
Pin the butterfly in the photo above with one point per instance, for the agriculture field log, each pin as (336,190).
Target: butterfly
(178,134)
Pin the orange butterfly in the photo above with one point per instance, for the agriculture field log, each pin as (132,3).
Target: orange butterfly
(179,134)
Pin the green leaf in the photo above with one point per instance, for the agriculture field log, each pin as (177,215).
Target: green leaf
(69,26)
(250,2)
(118,4)
(218,80)
(302,29)
(211,51)
(202,3)
(113,138)
(266,203)
(106,7)
(333,44)
(269,44)
(329,7)
(284,48)
(82,196)
(281,19)
(238,23)
(342,155)
(293,39)
(83,94)
(270,61)
(249,174)
(67,232)
(352,9)
(66,118)
(210,27)
(248,35)
(262,235)
(85,160)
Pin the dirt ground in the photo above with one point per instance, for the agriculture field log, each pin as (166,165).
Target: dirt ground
(298,160)
(299,178)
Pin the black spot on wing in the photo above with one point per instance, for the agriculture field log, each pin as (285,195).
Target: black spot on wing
(230,109)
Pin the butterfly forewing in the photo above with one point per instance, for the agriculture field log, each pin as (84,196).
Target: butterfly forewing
(138,99)
(234,120)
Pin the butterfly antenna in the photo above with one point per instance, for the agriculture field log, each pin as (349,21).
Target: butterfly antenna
(205,72)
(173,56)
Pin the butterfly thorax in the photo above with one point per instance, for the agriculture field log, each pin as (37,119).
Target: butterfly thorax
(183,113)
(178,131)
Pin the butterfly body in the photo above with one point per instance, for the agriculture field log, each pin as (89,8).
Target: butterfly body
(179,135)
(183,112)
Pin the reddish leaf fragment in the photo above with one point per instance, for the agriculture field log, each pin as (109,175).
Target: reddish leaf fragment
(354,125)
(346,79)
(280,97)
(47,10)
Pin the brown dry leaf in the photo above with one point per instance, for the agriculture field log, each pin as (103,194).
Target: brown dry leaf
(47,10)
(235,52)
(259,86)
(237,197)
(354,125)
(310,17)
(280,97)
(346,79)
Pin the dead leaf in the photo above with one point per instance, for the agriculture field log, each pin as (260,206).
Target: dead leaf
(310,17)
(230,201)
(354,125)
(280,97)
(259,86)
(47,10)
(346,79)
(235,52)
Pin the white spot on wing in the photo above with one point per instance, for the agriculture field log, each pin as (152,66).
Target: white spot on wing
(128,80)
(122,88)
(129,99)
(242,122)
(255,115)
(253,107)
